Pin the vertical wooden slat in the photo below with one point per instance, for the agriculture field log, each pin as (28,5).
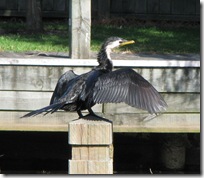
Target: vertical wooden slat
(178,6)
(129,6)
(116,6)
(103,8)
(3,4)
(12,4)
(153,6)
(190,7)
(59,5)
(47,5)
(79,29)
(197,7)
(140,6)
(94,9)
(21,5)
(34,16)
(165,6)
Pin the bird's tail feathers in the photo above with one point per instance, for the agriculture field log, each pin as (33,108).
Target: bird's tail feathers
(48,109)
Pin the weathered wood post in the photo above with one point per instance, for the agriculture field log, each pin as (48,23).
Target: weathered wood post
(173,151)
(92,149)
(79,29)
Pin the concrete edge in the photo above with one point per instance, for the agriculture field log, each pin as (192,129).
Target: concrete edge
(93,62)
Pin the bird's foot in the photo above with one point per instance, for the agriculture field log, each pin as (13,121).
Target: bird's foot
(149,117)
(91,116)
(94,117)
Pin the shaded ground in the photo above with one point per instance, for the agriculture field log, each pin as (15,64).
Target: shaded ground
(118,55)
(49,152)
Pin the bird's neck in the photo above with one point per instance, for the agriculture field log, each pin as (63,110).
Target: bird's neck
(104,60)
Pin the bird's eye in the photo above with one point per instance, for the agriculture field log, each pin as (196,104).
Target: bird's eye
(120,42)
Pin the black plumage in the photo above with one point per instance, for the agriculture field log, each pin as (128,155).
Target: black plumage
(103,85)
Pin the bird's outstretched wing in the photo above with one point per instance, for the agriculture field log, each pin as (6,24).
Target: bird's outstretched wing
(125,85)
(62,85)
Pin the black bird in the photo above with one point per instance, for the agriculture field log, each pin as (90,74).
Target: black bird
(103,85)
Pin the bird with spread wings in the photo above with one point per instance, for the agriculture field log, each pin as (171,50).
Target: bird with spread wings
(103,85)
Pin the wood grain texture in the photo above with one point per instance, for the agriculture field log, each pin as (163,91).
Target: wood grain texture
(79,29)
(91,153)
(165,123)
(90,132)
(25,86)
(90,167)
(91,141)
(45,78)
(28,100)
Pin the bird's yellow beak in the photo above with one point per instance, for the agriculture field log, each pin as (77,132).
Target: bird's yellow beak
(127,42)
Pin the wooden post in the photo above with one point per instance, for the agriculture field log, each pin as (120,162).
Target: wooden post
(79,29)
(173,151)
(92,149)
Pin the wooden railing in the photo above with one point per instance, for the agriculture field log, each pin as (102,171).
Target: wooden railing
(27,84)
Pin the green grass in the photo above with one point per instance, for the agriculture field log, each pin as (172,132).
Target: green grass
(13,37)
(152,39)
(22,43)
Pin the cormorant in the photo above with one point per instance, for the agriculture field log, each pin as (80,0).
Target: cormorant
(103,85)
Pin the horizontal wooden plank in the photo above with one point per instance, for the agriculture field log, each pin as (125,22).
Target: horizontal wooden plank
(45,78)
(52,122)
(32,78)
(149,62)
(15,100)
(177,103)
(163,123)
(26,101)
(121,122)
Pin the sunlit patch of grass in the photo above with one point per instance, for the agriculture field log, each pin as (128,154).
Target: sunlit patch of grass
(55,38)
(42,42)
(152,39)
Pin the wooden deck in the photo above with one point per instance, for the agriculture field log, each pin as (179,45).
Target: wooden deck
(27,84)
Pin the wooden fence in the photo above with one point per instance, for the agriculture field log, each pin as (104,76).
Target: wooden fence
(139,9)
(27,84)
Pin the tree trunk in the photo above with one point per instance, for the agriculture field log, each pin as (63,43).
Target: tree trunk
(34,16)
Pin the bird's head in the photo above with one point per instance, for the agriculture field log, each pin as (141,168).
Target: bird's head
(114,42)
(103,57)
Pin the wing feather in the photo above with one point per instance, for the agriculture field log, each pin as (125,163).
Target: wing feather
(111,95)
(62,85)
(126,85)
